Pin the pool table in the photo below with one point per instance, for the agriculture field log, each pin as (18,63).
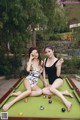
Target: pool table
(30,110)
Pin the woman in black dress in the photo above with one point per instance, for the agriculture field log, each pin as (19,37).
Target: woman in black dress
(52,67)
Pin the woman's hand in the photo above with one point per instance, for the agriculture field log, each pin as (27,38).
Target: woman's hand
(30,62)
(46,84)
(59,63)
(61,60)
(31,56)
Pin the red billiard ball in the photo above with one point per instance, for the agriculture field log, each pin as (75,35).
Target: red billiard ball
(49,97)
(49,101)
(63,109)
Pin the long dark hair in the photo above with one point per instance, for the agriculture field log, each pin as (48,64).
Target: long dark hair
(50,47)
(34,48)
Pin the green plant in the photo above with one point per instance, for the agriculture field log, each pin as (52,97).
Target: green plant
(9,66)
(71,66)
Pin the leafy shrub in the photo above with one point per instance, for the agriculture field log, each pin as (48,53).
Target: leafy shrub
(71,66)
(9,65)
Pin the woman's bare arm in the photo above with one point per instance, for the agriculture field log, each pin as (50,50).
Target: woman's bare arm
(29,62)
(44,76)
(58,66)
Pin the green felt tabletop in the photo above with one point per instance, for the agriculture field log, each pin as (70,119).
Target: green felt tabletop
(32,107)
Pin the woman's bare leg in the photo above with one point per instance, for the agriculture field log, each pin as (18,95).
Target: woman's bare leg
(15,93)
(66,93)
(36,91)
(57,83)
(47,91)
(21,96)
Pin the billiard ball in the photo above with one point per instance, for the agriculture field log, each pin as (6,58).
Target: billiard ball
(49,101)
(41,107)
(44,96)
(20,113)
(63,109)
(49,97)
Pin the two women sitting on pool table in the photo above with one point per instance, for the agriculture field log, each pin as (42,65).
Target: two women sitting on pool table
(37,69)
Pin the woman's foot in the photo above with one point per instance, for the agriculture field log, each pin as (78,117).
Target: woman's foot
(15,94)
(69,105)
(66,92)
(6,106)
(25,100)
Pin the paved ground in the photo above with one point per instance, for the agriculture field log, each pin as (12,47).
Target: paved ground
(5,85)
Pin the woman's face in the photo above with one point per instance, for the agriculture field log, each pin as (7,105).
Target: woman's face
(35,54)
(48,52)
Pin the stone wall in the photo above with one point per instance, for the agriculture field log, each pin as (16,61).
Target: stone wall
(60,47)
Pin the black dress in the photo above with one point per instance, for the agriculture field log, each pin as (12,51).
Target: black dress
(51,72)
